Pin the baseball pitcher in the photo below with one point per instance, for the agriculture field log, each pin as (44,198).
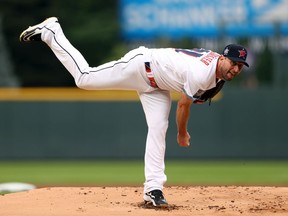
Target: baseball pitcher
(199,74)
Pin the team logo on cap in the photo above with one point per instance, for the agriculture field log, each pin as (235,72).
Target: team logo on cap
(242,53)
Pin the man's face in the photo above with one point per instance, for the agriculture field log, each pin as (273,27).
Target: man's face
(229,69)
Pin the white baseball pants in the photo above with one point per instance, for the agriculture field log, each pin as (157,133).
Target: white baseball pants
(128,73)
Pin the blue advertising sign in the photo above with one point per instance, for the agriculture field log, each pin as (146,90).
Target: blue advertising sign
(203,18)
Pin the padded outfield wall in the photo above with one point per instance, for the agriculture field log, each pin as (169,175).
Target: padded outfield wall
(69,124)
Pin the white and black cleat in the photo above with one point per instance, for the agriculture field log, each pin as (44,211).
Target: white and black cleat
(156,198)
(33,33)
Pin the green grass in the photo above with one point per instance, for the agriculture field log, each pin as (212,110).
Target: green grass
(229,173)
(131,172)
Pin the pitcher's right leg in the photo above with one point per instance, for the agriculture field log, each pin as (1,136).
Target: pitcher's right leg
(50,32)
(126,73)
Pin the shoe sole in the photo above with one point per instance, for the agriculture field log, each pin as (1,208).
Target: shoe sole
(31,29)
(154,204)
(148,200)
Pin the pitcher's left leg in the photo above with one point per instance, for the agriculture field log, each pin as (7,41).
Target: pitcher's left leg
(156,106)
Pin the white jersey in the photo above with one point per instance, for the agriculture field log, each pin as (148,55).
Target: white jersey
(182,70)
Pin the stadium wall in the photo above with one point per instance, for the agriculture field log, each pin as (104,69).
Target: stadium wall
(244,124)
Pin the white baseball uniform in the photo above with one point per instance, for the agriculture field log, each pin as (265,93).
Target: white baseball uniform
(153,73)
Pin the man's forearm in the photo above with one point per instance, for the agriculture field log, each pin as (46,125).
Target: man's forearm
(182,116)
(183,113)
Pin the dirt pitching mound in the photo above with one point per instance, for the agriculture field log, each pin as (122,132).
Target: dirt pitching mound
(123,201)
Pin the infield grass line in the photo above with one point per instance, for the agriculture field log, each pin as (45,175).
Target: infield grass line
(132,172)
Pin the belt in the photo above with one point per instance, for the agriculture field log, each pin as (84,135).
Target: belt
(150,75)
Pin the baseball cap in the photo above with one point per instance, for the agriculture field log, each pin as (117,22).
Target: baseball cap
(236,53)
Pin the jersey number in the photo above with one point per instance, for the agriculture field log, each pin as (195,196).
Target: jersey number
(194,52)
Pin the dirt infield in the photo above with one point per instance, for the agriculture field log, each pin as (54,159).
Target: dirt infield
(123,201)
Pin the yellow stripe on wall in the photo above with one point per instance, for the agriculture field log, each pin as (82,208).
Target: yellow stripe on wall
(68,94)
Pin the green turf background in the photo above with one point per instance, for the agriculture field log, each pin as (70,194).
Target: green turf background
(84,173)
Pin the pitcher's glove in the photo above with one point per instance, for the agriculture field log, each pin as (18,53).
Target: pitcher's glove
(209,94)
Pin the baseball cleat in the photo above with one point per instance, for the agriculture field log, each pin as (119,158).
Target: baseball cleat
(156,198)
(33,33)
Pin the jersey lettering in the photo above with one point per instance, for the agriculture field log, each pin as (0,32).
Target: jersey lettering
(198,53)
(208,58)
